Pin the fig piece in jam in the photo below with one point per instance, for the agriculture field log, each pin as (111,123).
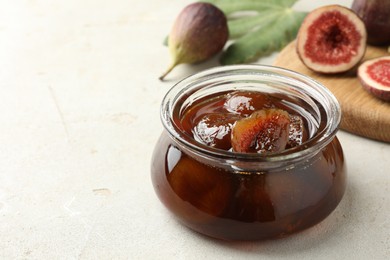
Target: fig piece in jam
(263,131)
(246,102)
(214,129)
(220,191)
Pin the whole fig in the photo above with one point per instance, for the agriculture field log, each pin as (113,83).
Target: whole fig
(199,32)
(376,17)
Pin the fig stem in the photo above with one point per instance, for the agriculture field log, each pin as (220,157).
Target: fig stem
(167,71)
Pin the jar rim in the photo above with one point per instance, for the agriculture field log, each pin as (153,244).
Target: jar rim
(318,92)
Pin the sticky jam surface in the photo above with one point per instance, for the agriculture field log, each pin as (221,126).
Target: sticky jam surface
(245,121)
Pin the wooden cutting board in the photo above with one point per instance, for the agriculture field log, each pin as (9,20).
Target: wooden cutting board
(362,114)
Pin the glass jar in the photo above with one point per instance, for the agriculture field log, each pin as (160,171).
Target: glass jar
(250,196)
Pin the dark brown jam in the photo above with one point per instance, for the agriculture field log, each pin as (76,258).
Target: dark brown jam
(235,203)
(210,121)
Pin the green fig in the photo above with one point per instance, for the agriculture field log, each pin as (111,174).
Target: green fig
(199,32)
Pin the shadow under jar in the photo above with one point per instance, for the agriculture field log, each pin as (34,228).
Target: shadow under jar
(249,196)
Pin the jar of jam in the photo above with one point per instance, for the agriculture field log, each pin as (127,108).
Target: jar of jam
(249,152)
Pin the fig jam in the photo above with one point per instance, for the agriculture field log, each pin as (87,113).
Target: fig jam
(261,194)
(211,120)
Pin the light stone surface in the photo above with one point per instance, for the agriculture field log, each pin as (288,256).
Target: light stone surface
(79,116)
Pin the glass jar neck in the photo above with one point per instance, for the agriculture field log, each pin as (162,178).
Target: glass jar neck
(307,95)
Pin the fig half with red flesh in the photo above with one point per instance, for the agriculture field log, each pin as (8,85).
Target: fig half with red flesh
(374,75)
(264,131)
(331,39)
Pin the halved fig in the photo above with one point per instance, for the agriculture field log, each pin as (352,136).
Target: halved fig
(374,75)
(331,39)
(266,130)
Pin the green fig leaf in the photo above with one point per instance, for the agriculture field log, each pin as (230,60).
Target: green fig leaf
(231,6)
(241,26)
(265,39)
(258,28)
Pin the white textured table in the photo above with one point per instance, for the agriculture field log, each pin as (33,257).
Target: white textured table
(79,116)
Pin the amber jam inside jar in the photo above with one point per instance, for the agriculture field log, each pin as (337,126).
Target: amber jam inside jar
(261,193)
